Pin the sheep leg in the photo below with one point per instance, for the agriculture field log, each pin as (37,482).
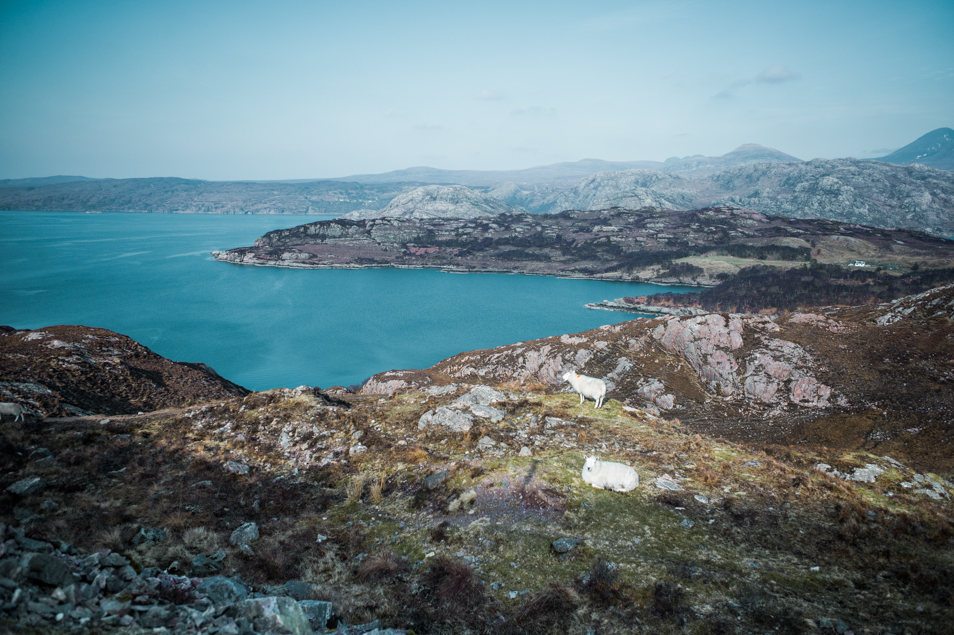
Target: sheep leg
(581,399)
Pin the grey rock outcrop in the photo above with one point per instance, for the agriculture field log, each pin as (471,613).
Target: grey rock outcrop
(437,201)
(450,418)
(30,486)
(277,615)
(245,534)
(631,189)
(222,590)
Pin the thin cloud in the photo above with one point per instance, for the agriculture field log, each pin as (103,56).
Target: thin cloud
(771,75)
(489,95)
(777,75)
(729,92)
(428,127)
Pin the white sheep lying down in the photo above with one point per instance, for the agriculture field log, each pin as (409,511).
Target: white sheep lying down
(590,387)
(609,475)
(14,409)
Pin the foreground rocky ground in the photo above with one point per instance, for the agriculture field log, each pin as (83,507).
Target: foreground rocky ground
(794,478)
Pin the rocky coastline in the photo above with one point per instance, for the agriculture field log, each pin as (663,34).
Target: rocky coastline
(620,304)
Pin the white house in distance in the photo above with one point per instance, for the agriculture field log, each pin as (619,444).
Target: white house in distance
(859,263)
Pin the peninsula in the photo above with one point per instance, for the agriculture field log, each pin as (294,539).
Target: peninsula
(695,247)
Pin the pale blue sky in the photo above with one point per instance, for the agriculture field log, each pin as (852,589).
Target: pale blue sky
(286,90)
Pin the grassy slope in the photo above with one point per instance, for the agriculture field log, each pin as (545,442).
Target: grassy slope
(395,551)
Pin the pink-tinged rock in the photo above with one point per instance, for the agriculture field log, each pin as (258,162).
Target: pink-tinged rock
(761,388)
(665,402)
(735,340)
(819,321)
(651,390)
(808,391)
(721,368)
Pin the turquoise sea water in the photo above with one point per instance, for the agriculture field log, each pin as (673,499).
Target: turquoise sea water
(150,276)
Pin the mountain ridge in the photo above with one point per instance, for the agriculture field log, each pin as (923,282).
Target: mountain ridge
(935,150)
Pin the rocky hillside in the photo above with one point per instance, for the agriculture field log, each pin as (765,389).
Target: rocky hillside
(631,189)
(436,201)
(874,378)
(935,150)
(613,244)
(846,190)
(77,370)
(446,506)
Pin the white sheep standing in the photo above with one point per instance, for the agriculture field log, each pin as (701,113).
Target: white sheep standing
(609,475)
(590,387)
(14,409)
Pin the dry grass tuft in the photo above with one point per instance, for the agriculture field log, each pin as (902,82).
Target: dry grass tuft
(549,610)
(355,488)
(602,586)
(202,539)
(377,488)
(708,478)
(383,566)
(449,598)
(112,539)
(176,521)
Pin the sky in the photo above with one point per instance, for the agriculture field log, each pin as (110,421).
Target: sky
(317,89)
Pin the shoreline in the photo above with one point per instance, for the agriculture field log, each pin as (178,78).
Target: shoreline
(617,305)
(662,282)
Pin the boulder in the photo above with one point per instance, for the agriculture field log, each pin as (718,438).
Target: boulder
(203,565)
(245,534)
(297,589)
(564,545)
(47,569)
(148,534)
(455,420)
(487,412)
(278,615)
(318,613)
(233,467)
(481,395)
(222,590)
(30,486)
(434,480)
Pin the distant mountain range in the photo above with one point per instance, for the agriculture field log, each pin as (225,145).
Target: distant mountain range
(874,192)
(567,173)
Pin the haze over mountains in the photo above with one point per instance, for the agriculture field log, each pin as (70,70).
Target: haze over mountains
(911,188)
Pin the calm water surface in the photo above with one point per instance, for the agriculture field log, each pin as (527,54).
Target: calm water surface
(150,276)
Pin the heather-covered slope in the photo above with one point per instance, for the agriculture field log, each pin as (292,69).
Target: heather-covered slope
(398,521)
(77,370)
